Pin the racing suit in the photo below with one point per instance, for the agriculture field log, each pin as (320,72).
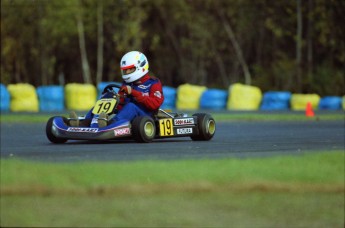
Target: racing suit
(145,99)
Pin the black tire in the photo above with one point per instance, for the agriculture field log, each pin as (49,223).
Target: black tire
(52,138)
(143,129)
(206,127)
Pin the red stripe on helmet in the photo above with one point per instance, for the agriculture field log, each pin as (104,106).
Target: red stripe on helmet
(127,67)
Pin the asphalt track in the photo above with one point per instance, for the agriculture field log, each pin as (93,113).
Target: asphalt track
(232,139)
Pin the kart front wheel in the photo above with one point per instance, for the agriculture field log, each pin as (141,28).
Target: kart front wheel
(206,127)
(52,138)
(143,129)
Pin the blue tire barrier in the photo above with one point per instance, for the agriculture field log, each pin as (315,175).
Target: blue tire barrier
(274,100)
(330,103)
(169,97)
(102,85)
(5,98)
(215,99)
(51,98)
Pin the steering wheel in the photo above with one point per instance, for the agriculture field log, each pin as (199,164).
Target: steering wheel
(109,88)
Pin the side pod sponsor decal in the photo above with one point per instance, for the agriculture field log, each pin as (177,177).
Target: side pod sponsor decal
(81,129)
(182,131)
(185,121)
(122,131)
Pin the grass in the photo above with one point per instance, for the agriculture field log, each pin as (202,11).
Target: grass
(272,116)
(286,191)
(26,117)
(321,168)
(219,116)
(202,209)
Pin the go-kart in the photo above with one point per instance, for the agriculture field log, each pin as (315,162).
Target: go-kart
(143,129)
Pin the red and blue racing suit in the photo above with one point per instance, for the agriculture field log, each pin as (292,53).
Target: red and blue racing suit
(145,99)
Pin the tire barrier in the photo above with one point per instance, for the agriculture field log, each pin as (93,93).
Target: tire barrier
(4,99)
(244,97)
(188,96)
(275,100)
(51,98)
(80,97)
(23,98)
(169,97)
(214,99)
(330,103)
(299,102)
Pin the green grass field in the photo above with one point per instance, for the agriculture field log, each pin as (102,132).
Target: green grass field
(286,191)
(219,116)
(283,191)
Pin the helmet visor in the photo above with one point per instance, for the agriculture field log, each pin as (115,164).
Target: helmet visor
(128,69)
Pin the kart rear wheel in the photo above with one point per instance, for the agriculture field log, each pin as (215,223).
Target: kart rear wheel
(143,129)
(206,127)
(52,138)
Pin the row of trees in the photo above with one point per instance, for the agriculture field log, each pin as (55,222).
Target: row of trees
(289,45)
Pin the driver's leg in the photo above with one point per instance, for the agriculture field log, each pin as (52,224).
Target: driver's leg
(73,119)
(129,112)
(102,120)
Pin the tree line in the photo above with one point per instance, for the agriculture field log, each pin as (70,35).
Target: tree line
(293,45)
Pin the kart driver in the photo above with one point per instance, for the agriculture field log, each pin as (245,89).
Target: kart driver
(141,94)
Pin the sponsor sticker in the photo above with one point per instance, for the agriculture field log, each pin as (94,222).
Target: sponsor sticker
(144,86)
(81,129)
(186,121)
(122,131)
(158,94)
(183,131)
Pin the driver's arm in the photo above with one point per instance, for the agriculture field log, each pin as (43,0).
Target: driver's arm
(152,101)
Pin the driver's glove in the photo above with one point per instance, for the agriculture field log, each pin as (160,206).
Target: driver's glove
(126,89)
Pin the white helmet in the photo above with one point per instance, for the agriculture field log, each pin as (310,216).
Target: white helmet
(138,62)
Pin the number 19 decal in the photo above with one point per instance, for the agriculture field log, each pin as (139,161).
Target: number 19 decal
(104,105)
(166,127)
